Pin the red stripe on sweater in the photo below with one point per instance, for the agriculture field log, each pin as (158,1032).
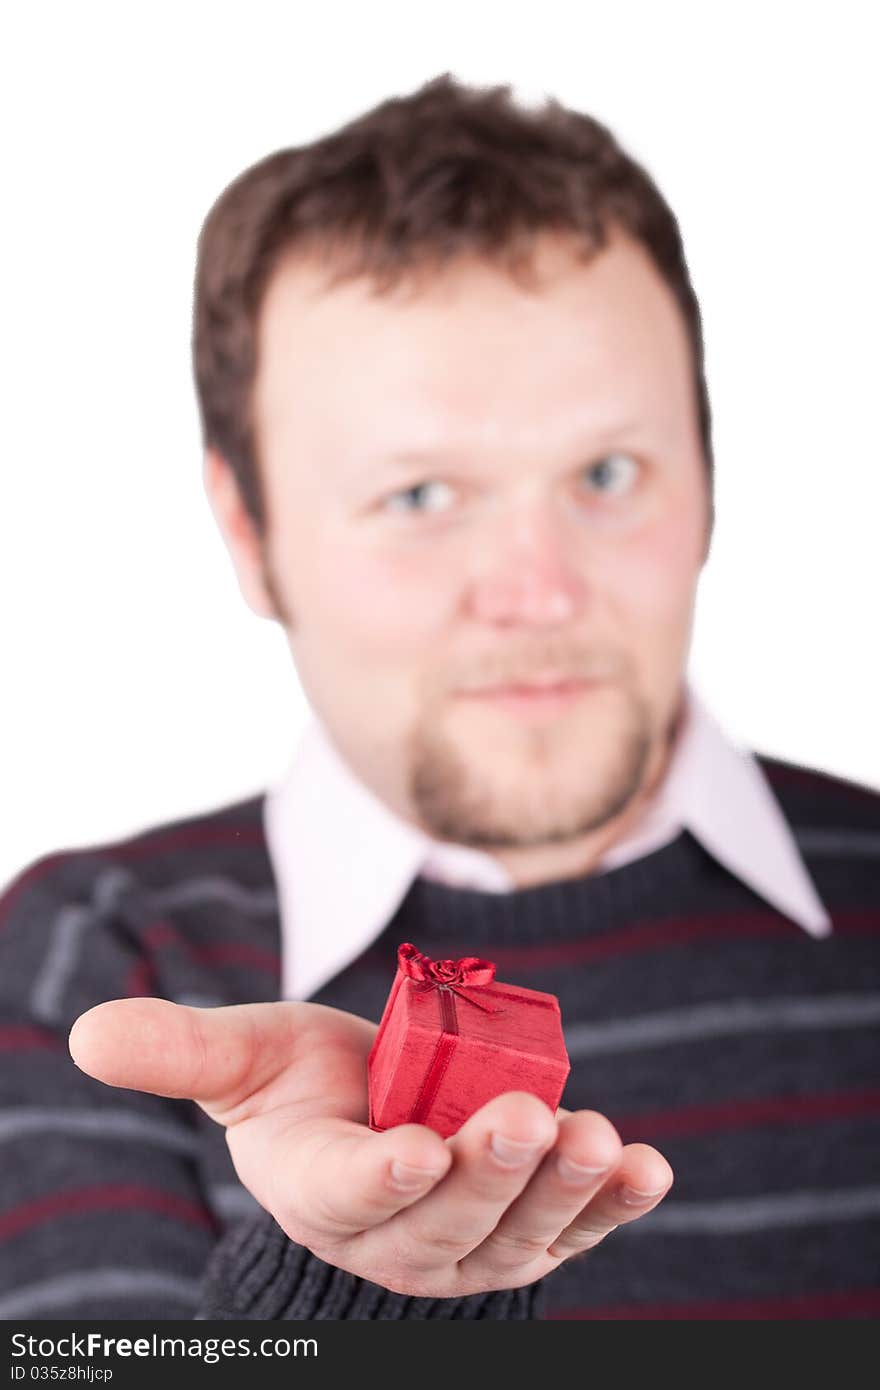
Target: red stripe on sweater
(237,953)
(208,836)
(827,784)
(21,1039)
(130,1196)
(669,931)
(162,934)
(743,1114)
(849,1303)
(628,940)
(140,847)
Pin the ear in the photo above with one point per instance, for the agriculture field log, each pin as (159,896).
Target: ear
(239,532)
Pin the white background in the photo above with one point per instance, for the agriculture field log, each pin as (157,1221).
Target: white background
(137,686)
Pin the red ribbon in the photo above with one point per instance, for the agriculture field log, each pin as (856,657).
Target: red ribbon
(449,975)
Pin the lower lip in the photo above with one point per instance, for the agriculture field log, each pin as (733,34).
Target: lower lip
(525,700)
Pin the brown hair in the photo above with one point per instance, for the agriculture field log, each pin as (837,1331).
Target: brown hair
(410,184)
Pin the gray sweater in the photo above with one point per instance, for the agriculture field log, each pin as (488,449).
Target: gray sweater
(697,1017)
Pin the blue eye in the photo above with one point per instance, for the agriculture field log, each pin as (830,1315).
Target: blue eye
(418,489)
(614,480)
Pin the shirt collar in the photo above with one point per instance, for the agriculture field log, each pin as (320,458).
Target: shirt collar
(320,815)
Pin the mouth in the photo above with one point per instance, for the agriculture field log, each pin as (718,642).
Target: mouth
(543,695)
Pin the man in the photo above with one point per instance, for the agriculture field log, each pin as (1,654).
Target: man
(449,364)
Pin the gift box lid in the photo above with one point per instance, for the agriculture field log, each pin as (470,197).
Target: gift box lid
(527,1020)
(486,1009)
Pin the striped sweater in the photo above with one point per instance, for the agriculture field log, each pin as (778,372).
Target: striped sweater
(698,1018)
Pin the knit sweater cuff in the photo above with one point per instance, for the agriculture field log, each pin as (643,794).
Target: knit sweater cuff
(256,1272)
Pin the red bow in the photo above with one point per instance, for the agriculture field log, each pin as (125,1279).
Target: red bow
(447,974)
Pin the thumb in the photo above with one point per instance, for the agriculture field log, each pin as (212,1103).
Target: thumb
(216,1055)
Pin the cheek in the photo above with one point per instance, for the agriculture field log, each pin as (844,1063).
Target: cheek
(652,583)
(371,603)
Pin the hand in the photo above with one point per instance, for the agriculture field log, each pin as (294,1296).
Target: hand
(403,1208)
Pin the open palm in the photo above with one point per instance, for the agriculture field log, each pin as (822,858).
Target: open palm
(496,1205)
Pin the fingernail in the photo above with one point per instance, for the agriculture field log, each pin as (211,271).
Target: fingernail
(570,1171)
(405,1176)
(514,1152)
(632,1197)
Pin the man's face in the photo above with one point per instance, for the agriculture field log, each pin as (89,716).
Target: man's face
(469,486)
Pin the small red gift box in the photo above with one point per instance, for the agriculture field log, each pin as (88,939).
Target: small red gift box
(451,1037)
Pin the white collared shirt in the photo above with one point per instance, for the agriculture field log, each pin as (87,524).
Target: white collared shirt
(343,860)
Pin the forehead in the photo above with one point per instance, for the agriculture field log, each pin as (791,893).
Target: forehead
(468,343)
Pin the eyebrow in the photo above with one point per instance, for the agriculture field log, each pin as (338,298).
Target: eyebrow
(403,459)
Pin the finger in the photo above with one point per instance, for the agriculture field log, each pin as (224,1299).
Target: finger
(176,1050)
(330,1180)
(216,1056)
(588,1147)
(639,1182)
(459,1213)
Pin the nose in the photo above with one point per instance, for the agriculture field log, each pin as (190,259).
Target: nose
(524,574)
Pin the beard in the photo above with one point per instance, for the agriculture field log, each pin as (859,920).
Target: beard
(531,785)
(523,786)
